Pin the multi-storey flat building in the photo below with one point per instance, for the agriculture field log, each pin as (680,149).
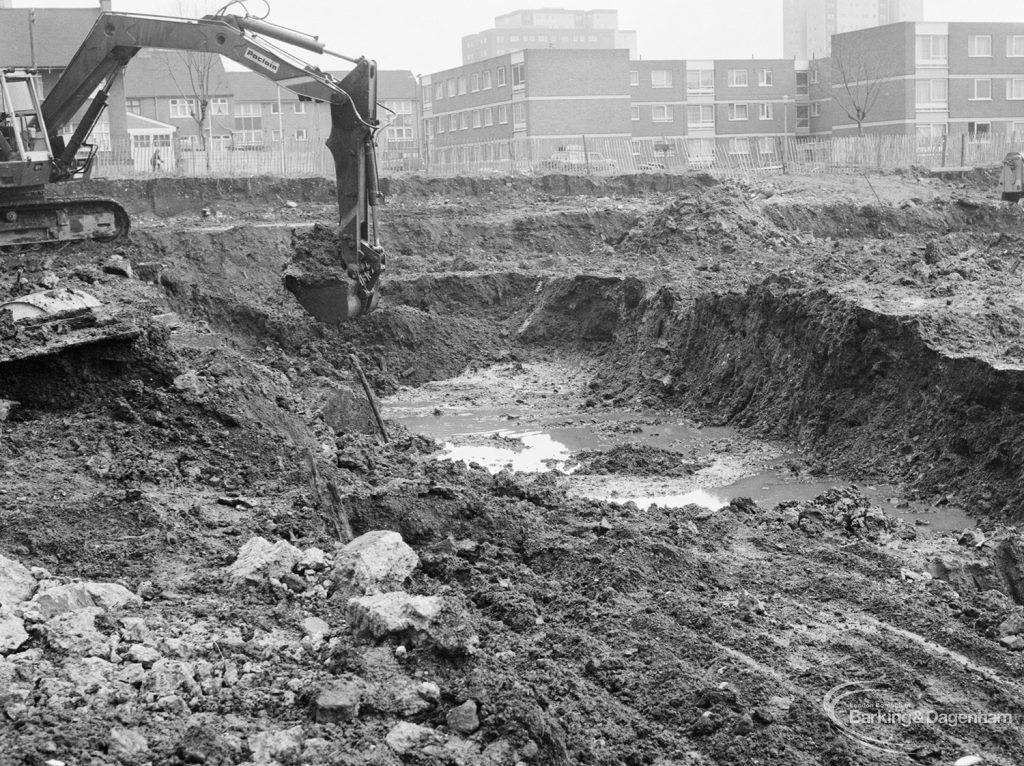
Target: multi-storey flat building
(808,25)
(471,112)
(567,97)
(548,28)
(930,79)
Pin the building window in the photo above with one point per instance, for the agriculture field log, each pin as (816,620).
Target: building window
(478,119)
(929,134)
(519,114)
(1015,45)
(700,115)
(766,146)
(501,77)
(438,91)
(739,146)
(932,49)
(765,78)
(815,77)
(1015,89)
(700,149)
(738,112)
(249,124)
(765,112)
(801,84)
(661,113)
(489,116)
(464,121)
(634,113)
(426,95)
(474,82)
(634,78)
(440,124)
(982,90)
(803,116)
(979,46)
(275,107)
(301,135)
(979,131)
(518,75)
(430,128)
(502,114)
(487,79)
(182,108)
(815,109)
(661,78)
(462,85)
(299,107)
(932,94)
(133,105)
(453,123)
(700,81)
(275,136)
(738,78)
(1017,131)
(450,88)
(219,106)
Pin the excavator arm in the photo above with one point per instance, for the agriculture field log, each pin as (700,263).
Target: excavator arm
(116,38)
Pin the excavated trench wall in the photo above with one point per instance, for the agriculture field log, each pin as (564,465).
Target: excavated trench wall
(859,389)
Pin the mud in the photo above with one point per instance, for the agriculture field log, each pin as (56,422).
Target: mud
(836,335)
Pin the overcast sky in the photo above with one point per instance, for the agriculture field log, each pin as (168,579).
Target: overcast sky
(425,36)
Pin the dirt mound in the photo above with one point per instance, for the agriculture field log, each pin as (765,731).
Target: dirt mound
(635,459)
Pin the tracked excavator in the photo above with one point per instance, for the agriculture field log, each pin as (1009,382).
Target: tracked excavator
(35,152)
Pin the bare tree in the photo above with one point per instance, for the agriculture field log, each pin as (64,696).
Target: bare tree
(194,79)
(859,75)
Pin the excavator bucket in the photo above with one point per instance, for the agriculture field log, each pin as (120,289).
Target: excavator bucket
(337,278)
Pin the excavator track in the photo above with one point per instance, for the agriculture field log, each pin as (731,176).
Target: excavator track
(31,224)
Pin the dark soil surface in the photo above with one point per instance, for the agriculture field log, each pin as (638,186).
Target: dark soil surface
(882,338)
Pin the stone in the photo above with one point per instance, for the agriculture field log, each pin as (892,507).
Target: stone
(385,614)
(127,745)
(498,753)
(271,746)
(339,700)
(75,632)
(60,599)
(7,406)
(89,672)
(12,634)
(119,265)
(16,582)
(1013,643)
(406,738)
(314,627)
(348,412)
(189,382)
(169,676)
(259,558)
(401,696)
(145,655)
(313,558)
(463,718)
(376,561)
(110,596)
(1012,625)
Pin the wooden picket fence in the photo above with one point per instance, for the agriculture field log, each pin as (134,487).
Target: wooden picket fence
(581,155)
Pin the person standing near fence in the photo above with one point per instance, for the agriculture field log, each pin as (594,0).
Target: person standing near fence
(156,161)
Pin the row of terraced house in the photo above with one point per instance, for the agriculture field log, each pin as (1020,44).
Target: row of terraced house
(929,80)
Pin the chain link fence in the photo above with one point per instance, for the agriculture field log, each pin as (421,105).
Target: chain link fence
(583,155)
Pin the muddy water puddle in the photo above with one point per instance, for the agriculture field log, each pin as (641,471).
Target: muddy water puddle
(535,418)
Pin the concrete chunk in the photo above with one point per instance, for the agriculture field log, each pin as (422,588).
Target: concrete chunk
(339,700)
(376,561)
(12,634)
(260,558)
(16,582)
(385,614)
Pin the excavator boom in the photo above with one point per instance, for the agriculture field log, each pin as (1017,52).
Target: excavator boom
(114,40)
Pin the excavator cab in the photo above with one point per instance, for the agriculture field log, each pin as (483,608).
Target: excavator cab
(25,153)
